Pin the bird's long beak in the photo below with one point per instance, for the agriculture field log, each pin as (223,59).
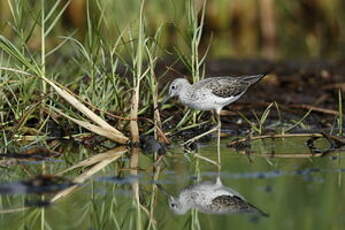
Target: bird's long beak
(165,99)
(171,198)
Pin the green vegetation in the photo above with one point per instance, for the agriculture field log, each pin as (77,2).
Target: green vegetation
(105,55)
(75,74)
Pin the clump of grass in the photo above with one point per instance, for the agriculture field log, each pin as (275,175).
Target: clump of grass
(297,123)
(192,59)
(138,75)
(97,62)
(259,125)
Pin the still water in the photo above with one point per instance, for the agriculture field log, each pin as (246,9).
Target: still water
(296,193)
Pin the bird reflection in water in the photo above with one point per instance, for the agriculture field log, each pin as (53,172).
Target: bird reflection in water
(212,198)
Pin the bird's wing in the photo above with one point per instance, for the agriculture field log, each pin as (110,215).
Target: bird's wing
(234,204)
(230,191)
(231,203)
(224,86)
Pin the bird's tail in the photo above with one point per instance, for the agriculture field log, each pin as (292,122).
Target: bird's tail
(258,210)
(254,78)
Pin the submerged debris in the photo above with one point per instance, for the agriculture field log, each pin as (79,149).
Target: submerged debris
(37,203)
(31,155)
(34,153)
(240,146)
(39,184)
(150,145)
(335,143)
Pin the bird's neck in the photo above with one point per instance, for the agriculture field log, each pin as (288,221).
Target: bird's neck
(186,199)
(185,91)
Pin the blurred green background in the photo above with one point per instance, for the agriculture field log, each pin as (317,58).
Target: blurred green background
(271,29)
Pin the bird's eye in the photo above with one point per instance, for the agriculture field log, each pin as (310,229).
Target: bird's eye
(173,87)
(173,205)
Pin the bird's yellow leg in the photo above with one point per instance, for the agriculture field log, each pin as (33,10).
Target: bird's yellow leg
(219,126)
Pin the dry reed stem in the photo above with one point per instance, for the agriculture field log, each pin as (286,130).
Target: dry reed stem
(102,131)
(134,116)
(86,111)
(116,136)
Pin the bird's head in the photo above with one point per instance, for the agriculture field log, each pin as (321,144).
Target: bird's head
(176,86)
(178,207)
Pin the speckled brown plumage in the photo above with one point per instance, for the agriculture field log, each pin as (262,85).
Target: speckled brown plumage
(227,203)
(228,86)
(212,93)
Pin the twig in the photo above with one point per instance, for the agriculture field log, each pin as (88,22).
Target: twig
(315,108)
(340,85)
(284,155)
(274,136)
(205,159)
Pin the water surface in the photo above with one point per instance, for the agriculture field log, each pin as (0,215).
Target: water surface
(297,193)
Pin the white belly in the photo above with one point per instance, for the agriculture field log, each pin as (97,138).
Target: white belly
(209,103)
